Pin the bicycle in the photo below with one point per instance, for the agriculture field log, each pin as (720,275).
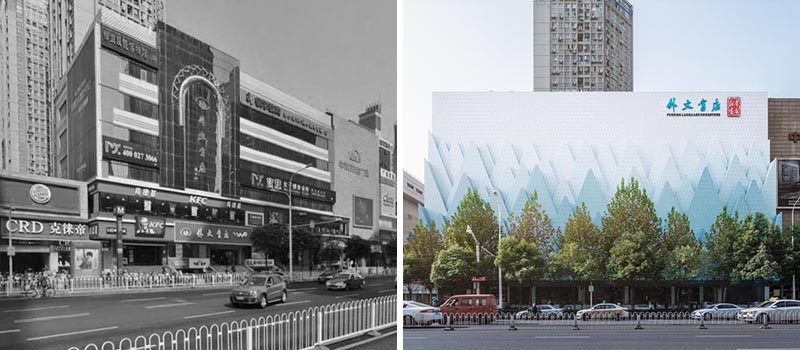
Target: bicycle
(35,290)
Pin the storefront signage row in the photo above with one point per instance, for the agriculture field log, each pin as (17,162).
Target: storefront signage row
(128,46)
(702,107)
(56,230)
(270,183)
(203,233)
(261,104)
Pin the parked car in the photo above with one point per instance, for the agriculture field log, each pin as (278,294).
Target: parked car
(416,313)
(345,280)
(544,311)
(602,310)
(260,289)
(326,276)
(781,310)
(723,311)
(469,304)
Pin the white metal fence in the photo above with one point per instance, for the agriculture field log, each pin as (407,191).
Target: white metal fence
(134,281)
(288,331)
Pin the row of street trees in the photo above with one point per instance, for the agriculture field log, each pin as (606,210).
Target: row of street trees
(273,240)
(631,245)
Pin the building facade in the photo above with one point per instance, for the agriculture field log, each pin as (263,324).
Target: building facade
(583,45)
(694,151)
(784,135)
(413,199)
(196,151)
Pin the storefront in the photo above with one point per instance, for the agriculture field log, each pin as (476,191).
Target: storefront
(46,221)
(198,245)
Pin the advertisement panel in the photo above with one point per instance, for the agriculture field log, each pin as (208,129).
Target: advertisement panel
(151,227)
(129,152)
(209,233)
(362,212)
(788,182)
(81,114)
(388,200)
(199,263)
(30,229)
(262,177)
(128,46)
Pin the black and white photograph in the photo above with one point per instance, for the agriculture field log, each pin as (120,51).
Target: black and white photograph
(198,174)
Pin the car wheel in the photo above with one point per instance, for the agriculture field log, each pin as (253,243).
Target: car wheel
(408,320)
(707,316)
(263,301)
(283,297)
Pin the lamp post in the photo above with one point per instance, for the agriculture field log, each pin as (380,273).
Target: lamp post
(119,212)
(477,257)
(10,253)
(499,236)
(794,290)
(291,258)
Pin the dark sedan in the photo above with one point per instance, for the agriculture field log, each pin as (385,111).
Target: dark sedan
(326,276)
(346,280)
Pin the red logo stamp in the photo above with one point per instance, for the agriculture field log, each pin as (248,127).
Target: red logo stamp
(734,106)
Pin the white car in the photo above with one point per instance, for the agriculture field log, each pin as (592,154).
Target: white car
(781,310)
(416,313)
(544,311)
(722,311)
(602,311)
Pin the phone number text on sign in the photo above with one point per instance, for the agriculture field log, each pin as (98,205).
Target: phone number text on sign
(129,152)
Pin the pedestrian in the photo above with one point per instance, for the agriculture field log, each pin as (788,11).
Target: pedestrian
(233,268)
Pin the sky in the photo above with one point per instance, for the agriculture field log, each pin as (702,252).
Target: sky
(333,55)
(678,45)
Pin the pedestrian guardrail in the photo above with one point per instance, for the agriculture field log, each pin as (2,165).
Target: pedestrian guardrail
(638,319)
(306,329)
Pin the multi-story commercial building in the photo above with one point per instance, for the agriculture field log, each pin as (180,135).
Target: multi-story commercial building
(583,45)
(413,199)
(196,151)
(784,135)
(40,39)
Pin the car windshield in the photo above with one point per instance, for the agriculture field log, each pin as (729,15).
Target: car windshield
(342,276)
(255,281)
(767,303)
(416,304)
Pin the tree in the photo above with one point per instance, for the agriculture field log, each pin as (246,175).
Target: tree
(303,239)
(520,260)
(273,240)
(421,250)
(789,257)
(477,214)
(331,253)
(453,267)
(580,252)
(631,233)
(681,251)
(761,267)
(720,244)
(753,250)
(390,252)
(357,248)
(533,225)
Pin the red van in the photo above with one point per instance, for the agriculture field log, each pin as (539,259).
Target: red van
(469,304)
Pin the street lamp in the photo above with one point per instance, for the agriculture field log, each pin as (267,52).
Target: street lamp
(10,253)
(499,236)
(291,269)
(119,212)
(794,290)
(477,256)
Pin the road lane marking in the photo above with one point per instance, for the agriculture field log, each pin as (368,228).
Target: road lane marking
(771,349)
(724,336)
(39,308)
(301,289)
(347,296)
(563,337)
(47,318)
(73,333)
(181,301)
(217,293)
(167,305)
(211,314)
(414,338)
(146,299)
(294,302)
(9,331)
(387,290)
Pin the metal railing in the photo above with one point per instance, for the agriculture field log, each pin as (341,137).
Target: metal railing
(135,281)
(638,319)
(288,331)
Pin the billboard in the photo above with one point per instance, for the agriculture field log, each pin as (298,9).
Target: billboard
(362,212)
(81,114)
(388,200)
(147,226)
(208,233)
(129,152)
(788,182)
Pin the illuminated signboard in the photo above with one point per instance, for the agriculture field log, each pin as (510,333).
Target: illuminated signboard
(220,234)
(129,152)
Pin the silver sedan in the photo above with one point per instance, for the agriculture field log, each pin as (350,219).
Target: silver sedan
(723,311)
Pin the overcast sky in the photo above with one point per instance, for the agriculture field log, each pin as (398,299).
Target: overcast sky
(339,55)
(679,45)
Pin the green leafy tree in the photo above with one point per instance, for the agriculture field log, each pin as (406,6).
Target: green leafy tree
(756,230)
(477,214)
(453,268)
(533,225)
(357,248)
(520,260)
(580,252)
(761,267)
(720,244)
(680,250)
(631,234)
(273,240)
(420,253)
(789,256)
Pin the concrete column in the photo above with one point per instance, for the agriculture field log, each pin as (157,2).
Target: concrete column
(700,300)
(720,292)
(672,295)
(581,295)
(627,296)
(52,262)
(533,295)
(766,292)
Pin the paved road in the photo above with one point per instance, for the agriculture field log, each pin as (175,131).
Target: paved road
(60,323)
(783,337)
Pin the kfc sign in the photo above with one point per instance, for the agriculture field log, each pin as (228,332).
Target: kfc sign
(198,200)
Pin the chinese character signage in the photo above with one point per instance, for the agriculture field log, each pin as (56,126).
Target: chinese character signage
(702,107)
(128,47)
(150,227)
(262,105)
(270,183)
(48,230)
(219,234)
(129,152)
